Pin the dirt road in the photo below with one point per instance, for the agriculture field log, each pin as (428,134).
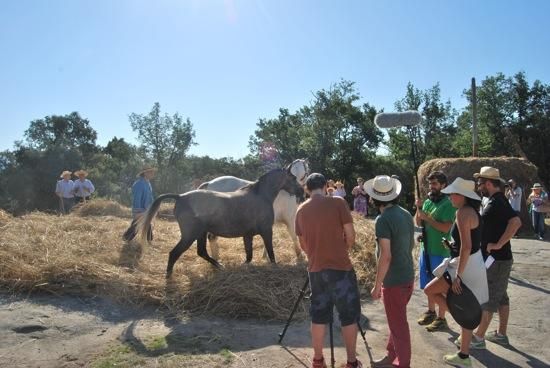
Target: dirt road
(50,331)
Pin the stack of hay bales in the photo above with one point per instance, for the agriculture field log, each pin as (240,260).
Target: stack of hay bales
(102,207)
(519,169)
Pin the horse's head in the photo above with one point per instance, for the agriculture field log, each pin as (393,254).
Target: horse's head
(300,169)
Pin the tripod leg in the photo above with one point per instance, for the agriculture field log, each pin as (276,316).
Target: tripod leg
(332,361)
(363,333)
(300,297)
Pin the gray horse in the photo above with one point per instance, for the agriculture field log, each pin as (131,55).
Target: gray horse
(284,206)
(246,212)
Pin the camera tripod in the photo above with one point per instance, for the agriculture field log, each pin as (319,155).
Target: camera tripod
(297,303)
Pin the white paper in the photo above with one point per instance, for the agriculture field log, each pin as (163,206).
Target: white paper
(489,261)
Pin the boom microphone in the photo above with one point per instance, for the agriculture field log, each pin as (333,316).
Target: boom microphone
(397,119)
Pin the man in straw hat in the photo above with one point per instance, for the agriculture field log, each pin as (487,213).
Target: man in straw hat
(537,199)
(436,214)
(394,229)
(142,194)
(64,189)
(500,224)
(83,187)
(325,230)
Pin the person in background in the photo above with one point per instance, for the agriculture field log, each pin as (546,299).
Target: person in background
(142,196)
(64,189)
(466,265)
(514,194)
(360,198)
(537,199)
(83,187)
(499,224)
(437,215)
(325,230)
(394,229)
(340,191)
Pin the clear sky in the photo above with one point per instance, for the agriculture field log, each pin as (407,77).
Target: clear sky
(225,64)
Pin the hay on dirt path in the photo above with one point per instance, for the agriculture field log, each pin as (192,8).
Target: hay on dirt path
(85,256)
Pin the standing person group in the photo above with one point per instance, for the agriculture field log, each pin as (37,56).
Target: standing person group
(71,192)
(436,214)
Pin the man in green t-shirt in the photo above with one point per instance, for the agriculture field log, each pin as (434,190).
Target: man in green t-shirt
(394,281)
(437,216)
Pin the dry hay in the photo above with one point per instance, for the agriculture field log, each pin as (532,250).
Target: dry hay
(101,207)
(4,217)
(85,256)
(519,169)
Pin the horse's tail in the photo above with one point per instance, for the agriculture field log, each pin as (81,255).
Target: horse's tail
(144,222)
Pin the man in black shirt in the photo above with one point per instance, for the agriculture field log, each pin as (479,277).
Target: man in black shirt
(500,223)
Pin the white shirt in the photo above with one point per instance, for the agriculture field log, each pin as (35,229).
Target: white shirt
(515,198)
(65,187)
(83,188)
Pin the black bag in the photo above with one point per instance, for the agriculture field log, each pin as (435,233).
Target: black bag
(464,307)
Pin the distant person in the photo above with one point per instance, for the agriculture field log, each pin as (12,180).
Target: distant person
(360,198)
(325,230)
(500,223)
(537,199)
(437,215)
(514,193)
(340,190)
(83,188)
(466,265)
(394,229)
(64,189)
(142,197)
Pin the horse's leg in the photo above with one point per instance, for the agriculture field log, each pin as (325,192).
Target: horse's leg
(203,253)
(248,247)
(176,252)
(214,248)
(267,237)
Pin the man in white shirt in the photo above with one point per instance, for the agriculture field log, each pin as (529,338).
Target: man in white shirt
(83,187)
(65,191)
(514,193)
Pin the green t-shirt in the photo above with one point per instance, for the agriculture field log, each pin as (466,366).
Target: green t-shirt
(442,211)
(396,224)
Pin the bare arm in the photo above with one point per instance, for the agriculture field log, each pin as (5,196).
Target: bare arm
(465,220)
(382,267)
(302,242)
(349,234)
(513,226)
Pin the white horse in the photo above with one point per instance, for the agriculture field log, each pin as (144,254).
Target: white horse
(284,206)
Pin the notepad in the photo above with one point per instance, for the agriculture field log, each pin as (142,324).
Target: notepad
(489,261)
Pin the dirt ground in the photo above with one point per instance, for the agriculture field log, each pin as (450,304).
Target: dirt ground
(54,331)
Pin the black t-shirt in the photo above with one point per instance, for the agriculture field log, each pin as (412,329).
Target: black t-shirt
(495,219)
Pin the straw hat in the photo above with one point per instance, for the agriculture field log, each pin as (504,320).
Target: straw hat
(146,169)
(462,187)
(488,172)
(383,188)
(537,186)
(66,172)
(81,172)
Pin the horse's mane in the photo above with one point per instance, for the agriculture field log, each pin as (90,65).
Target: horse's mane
(254,187)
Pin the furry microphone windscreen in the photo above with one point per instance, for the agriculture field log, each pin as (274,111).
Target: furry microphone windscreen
(397,119)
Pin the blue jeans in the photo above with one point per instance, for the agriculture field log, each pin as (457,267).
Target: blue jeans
(538,222)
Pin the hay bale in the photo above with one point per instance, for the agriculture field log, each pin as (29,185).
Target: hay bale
(102,207)
(85,256)
(519,169)
(4,217)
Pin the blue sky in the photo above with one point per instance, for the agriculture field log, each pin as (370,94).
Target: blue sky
(225,64)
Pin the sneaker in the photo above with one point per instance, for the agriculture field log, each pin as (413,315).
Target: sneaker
(318,363)
(475,344)
(357,364)
(541,237)
(439,324)
(454,359)
(385,362)
(426,318)
(497,338)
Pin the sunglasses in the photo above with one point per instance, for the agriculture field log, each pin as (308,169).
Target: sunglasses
(481,182)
